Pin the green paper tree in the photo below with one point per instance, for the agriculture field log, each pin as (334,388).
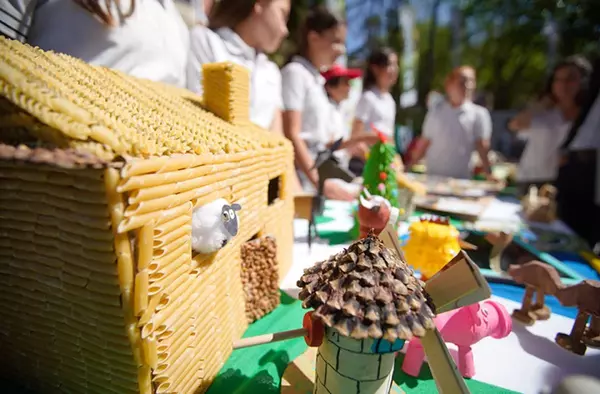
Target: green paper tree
(379,170)
(379,174)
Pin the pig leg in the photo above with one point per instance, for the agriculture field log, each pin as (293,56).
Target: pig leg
(592,334)
(524,314)
(540,309)
(413,359)
(466,366)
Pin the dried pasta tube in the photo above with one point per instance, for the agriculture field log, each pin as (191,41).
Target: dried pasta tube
(178,366)
(147,314)
(181,271)
(137,221)
(173,235)
(188,373)
(145,379)
(170,252)
(166,270)
(167,227)
(166,319)
(145,242)
(150,351)
(141,292)
(174,353)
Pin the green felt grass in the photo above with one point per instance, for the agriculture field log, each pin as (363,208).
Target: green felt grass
(258,370)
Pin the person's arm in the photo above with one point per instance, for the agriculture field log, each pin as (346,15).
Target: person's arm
(522,121)
(294,96)
(483,129)
(424,141)
(201,52)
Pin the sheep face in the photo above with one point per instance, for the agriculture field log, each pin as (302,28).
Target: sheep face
(214,225)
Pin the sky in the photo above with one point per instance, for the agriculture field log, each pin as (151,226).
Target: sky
(358,11)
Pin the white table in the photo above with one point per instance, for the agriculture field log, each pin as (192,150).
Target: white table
(527,361)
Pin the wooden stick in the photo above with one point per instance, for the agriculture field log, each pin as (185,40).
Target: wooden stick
(269,338)
(466,245)
(444,371)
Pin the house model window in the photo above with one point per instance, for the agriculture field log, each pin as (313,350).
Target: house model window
(274,190)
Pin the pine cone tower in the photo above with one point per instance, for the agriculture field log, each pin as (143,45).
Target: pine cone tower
(370,303)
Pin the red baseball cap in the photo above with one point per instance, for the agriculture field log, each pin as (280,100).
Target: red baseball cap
(337,71)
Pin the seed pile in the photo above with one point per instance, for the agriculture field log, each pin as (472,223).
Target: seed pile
(260,277)
(367,291)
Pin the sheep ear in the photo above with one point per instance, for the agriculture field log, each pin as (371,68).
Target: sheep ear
(236,207)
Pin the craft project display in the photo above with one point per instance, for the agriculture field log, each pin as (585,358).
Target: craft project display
(585,296)
(370,303)
(407,190)
(379,174)
(367,303)
(432,242)
(375,213)
(540,205)
(100,288)
(463,327)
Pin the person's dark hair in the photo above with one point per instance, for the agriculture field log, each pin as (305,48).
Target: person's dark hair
(378,58)
(333,82)
(229,13)
(582,65)
(105,14)
(318,20)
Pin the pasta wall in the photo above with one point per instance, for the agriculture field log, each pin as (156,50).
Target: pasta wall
(100,172)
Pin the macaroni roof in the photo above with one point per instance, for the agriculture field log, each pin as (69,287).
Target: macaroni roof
(57,101)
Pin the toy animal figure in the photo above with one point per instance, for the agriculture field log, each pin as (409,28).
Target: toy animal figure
(541,279)
(586,297)
(214,225)
(464,327)
(327,166)
(540,206)
(375,212)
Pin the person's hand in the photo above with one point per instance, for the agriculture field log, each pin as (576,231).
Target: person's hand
(334,190)
(359,150)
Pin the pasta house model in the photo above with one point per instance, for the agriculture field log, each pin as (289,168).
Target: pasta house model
(100,176)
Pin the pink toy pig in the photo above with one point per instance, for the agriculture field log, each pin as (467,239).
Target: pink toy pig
(464,327)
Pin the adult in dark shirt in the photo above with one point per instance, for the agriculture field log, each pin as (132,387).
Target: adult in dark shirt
(578,197)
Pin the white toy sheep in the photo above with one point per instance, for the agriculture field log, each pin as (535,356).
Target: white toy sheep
(213,225)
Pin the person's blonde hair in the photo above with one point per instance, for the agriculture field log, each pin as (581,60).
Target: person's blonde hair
(105,13)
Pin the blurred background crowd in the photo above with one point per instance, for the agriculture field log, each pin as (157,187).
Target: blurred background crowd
(456,85)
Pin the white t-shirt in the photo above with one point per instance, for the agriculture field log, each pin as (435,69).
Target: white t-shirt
(339,130)
(453,133)
(152,43)
(304,91)
(224,45)
(378,109)
(539,162)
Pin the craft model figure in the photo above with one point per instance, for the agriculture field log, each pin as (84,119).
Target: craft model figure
(366,303)
(540,280)
(432,242)
(407,190)
(540,206)
(374,213)
(122,246)
(586,297)
(370,303)
(463,327)
(214,225)
(328,167)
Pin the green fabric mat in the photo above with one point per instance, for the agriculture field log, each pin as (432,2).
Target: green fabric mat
(258,370)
